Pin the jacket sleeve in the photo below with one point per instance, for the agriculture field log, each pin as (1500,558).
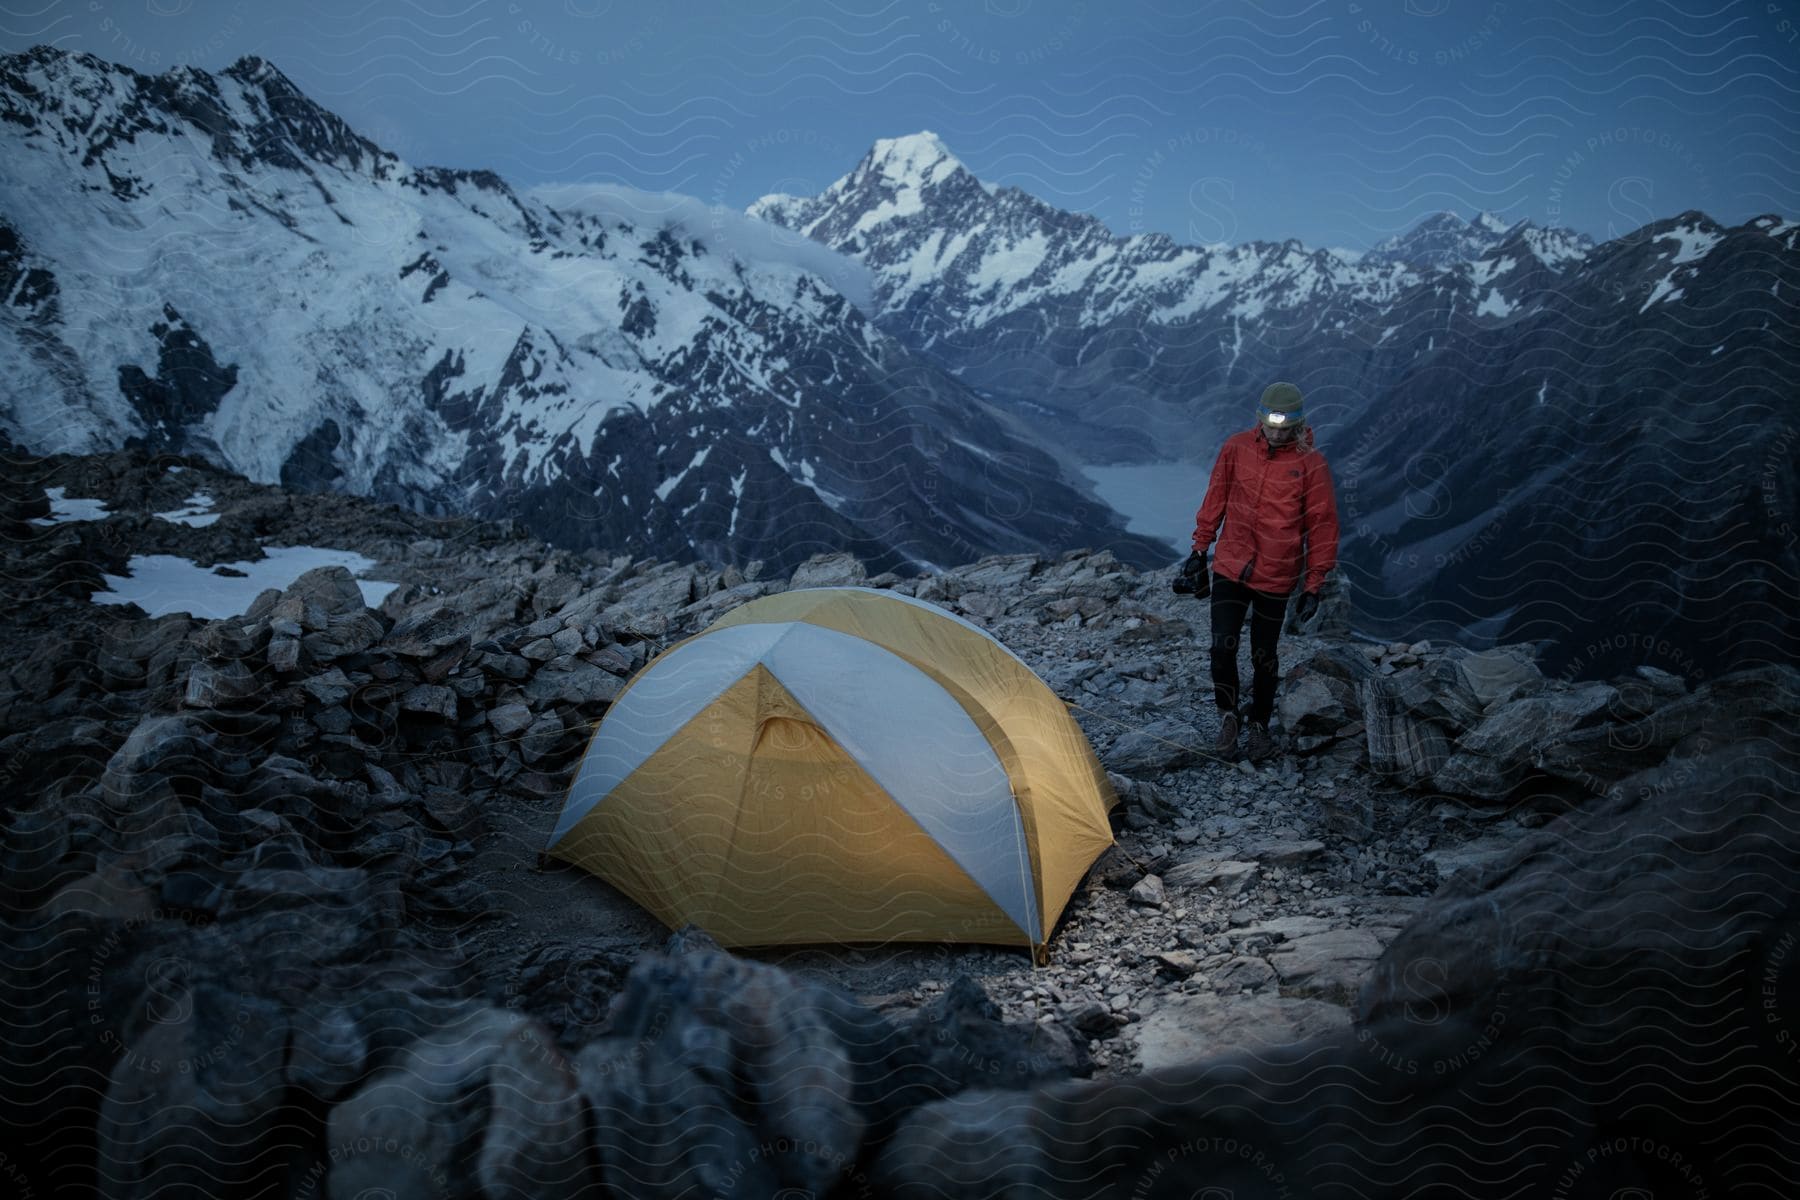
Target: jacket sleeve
(1321,524)
(1212,508)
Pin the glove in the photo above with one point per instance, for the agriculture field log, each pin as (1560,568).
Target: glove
(1193,579)
(1306,607)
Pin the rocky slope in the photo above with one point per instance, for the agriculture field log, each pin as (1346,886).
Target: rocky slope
(277,920)
(1534,438)
(612,368)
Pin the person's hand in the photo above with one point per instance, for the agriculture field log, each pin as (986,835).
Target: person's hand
(1192,579)
(1306,607)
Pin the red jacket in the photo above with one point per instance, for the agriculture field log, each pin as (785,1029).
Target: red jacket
(1278,508)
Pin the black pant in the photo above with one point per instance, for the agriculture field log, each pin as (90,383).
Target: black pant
(1230,601)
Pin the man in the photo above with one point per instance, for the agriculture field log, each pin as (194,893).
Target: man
(1272,491)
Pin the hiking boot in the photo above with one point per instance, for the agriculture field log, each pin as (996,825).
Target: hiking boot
(1258,745)
(1226,746)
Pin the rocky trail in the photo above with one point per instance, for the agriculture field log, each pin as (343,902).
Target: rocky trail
(278,916)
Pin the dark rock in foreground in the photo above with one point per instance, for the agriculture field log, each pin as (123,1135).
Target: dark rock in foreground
(1615,1005)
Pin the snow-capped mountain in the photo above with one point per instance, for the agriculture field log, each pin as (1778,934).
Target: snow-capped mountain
(1133,348)
(1534,437)
(217,264)
(1445,239)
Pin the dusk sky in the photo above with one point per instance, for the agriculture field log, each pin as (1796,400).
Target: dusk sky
(1338,122)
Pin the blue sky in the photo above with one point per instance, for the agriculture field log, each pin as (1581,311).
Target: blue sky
(1338,122)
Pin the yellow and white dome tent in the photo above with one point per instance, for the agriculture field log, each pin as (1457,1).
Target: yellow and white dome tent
(840,765)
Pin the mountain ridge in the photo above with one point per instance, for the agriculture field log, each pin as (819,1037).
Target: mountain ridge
(308,307)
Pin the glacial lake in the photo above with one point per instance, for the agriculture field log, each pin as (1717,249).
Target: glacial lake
(1158,499)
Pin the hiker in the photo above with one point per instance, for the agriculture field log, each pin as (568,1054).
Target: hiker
(1272,490)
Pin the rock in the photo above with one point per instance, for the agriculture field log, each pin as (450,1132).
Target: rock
(427,633)
(410,1128)
(127,647)
(576,682)
(1116,869)
(1349,815)
(430,698)
(540,650)
(509,719)
(1229,876)
(1001,573)
(1178,964)
(193,1103)
(316,597)
(1148,890)
(1245,973)
(1312,704)
(1403,745)
(829,570)
(1502,670)
(344,634)
(161,746)
(284,654)
(1329,966)
(711,1057)
(327,1053)
(511,667)
(1664,682)
(1090,1017)
(1189,1028)
(328,687)
(658,591)
(219,684)
(1493,758)
(542,739)
(1163,746)
(964,1043)
(1285,853)
(1476,855)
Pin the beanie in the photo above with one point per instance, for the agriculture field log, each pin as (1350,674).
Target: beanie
(1281,405)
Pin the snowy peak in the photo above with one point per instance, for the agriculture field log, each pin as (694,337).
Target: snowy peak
(1445,239)
(899,177)
(1491,222)
(916,160)
(246,116)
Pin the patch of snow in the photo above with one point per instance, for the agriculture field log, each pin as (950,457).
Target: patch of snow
(1695,243)
(1665,289)
(1493,305)
(1011,264)
(197,511)
(166,583)
(65,508)
(668,485)
(1487,269)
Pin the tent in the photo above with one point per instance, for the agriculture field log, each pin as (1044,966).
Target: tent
(840,765)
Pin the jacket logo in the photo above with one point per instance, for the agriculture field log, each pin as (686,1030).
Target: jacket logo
(1294,474)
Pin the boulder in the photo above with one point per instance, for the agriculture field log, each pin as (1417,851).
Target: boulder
(219,684)
(1228,875)
(1494,757)
(1163,746)
(839,569)
(194,1104)
(572,681)
(1503,672)
(1194,1026)
(1402,745)
(1330,966)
